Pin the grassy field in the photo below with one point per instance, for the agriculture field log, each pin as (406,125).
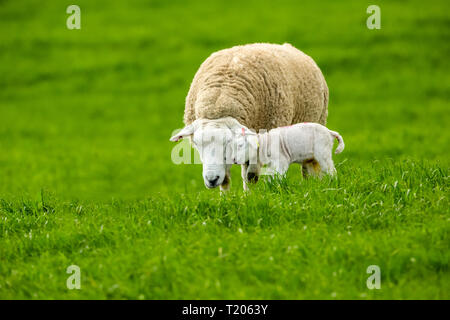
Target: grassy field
(86,176)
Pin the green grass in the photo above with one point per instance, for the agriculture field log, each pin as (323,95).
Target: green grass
(86,176)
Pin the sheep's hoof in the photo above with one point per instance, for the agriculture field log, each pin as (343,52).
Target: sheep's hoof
(252,177)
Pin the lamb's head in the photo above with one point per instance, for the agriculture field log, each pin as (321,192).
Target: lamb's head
(212,138)
(244,147)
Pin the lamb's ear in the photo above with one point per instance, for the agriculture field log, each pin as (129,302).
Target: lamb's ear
(184,133)
(248,132)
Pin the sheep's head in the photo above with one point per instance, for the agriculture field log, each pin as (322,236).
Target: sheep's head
(213,140)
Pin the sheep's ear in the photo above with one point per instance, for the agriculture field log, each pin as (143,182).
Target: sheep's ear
(233,124)
(184,133)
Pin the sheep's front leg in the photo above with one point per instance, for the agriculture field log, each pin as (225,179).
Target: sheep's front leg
(280,165)
(225,186)
(244,168)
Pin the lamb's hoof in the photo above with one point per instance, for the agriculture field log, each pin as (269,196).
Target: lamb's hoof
(252,177)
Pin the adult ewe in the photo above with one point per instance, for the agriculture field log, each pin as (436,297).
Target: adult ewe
(260,86)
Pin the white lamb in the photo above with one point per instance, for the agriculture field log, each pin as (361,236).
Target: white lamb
(299,143)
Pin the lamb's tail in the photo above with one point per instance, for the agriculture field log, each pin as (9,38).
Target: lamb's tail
(341,144)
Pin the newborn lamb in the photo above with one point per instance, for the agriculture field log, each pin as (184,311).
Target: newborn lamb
(299,143)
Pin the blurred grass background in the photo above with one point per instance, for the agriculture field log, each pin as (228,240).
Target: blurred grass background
(86,115)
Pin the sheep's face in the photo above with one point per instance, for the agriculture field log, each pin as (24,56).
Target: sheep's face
(211,138)
(211,143)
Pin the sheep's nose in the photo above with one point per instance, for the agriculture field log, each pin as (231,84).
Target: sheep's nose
(213,180)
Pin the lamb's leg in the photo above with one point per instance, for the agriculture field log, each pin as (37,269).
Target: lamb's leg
(253,172)
(281,166)
(330,169)
(326,164)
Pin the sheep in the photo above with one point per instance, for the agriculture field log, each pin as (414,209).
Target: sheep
(260,86)
(278,148)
